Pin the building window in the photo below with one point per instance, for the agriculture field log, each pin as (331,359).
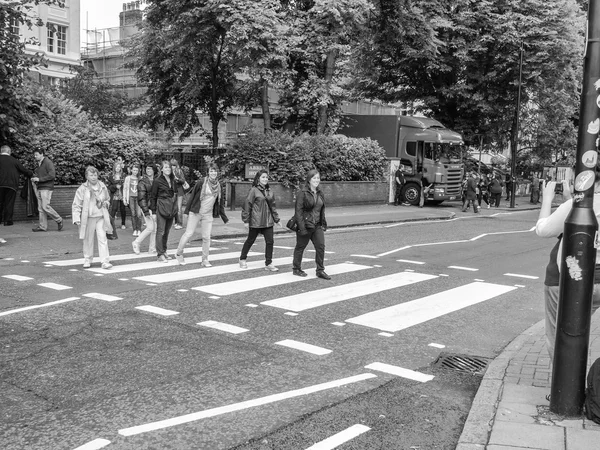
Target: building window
(57,40)
(14,27)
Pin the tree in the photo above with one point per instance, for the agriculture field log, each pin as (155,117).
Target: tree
(16,105)
(191,53)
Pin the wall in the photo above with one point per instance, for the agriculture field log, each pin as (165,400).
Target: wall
(62,199)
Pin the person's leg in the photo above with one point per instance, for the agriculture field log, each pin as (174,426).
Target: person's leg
(88,239)
(42,214)
(49,210)
(252,233)
(8,205)
(301,243)
(148,231)
(123,213)
(318,240)
(165,237)
(192,223)
(161,248)
(474,205)
(498,198)
(206,226)
(102,241)
(269,242)
(465,204)
(551,294)
(179,217)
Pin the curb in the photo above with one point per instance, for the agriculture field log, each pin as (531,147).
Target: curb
(477,428)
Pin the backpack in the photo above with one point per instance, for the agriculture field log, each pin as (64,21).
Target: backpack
(591,405)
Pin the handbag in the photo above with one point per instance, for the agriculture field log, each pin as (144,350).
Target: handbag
(291,224)
(167,207)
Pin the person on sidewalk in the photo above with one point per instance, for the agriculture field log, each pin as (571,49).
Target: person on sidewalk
(10,168)
(495,188)
(115,186)
(90,214)
(551,225)
(130,198)
(144,191)
(259,215)
(471,193)
(312,224)
(482,191)
(207,201)
(43,179)
(163,200)
(400,181)
(535,190)
(182,187)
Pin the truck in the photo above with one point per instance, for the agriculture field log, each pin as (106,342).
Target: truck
(430,153)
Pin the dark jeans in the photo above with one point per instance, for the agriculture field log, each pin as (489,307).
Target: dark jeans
(252,235)
(398,199)
(118,205)
(485,197)
(163,226)
(466,205)
(317,236)
(7,204)
(496,199)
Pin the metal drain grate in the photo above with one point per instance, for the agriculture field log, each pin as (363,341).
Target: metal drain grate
(462,363)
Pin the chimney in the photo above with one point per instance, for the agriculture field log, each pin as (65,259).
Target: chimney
(130,19)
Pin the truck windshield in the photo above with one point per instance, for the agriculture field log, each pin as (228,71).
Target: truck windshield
(448,153)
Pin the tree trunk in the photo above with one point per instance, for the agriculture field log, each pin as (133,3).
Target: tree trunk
(329,71)
(264,102)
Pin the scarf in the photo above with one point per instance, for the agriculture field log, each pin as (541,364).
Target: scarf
(215,187)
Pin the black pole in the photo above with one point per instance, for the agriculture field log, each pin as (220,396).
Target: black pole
(513,162)
(579,255)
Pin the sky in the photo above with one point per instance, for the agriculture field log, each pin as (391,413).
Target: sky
(100,13)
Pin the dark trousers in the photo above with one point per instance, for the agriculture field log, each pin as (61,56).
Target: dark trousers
(269,240)
(496,199)
(467,202)
(535,197)
(163,226)
(118,205)
(398,198)
(485,196)
(317,236)
(7,204)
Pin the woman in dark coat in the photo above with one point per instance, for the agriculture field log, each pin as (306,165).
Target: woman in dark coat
(163,201)
(259,216)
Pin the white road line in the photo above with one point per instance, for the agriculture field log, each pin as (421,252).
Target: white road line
(113,258)
(468,269)
(283,247)
(251,305)
(243,405)
(384,334)
(394,251)
(400,372)
(529,277)
(326,251)
(433,344)
(94,445)
(304,301)
(245,285)
(410,261)
(338,324)
(172,263)
(27,308)
(182,275)
(223,327)
(105,297)
(340,438)
(406,315)
(17,277)
(157,310)
(365,256)
(291,313)
(55,286)
(290,343)
(520,285)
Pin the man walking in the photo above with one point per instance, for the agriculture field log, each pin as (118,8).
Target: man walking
(9,182)
(43,186)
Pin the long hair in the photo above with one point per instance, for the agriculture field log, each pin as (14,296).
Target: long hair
(256,181)
(311,173)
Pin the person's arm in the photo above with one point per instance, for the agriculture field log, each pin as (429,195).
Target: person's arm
(28,173)
(224,217)
(298,210)
(247,207)
(273,206)
(77,205)
(154,195)
(551,224)
(48,172)
(126,186)
(143,197)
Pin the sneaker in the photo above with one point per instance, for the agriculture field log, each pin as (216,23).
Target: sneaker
(107,265)
(152,252)
(123,227)
(36,229)
(60,225)
(163,258)
(2,241)
(86,264)
(205,264)
(136,247)
(299,273)
(488,206)
(243,264)
(323,275)
(180,260)
(177,226)
(271,268)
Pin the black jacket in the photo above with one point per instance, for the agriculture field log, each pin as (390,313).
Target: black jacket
(306,215)
(259,210)
(144,193)
(161,190)
(10,168)
(111,184)
(194,202)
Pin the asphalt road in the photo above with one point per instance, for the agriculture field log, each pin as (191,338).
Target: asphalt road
(78,369)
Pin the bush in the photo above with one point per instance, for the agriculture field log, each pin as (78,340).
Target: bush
(337,158)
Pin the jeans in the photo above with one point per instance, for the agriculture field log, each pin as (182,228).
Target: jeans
(467,203)
(179,216)
(252,234)
(163,226)
(136,214)
(150,230)
(44,197)
(192,223)
(95,225)
(118,205)
(317,236)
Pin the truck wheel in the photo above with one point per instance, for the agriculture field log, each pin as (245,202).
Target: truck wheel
(411,193)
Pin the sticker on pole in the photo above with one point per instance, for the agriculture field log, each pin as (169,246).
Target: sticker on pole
(596,241)
(574,268)
(590,158)
(594,127)
(584,180)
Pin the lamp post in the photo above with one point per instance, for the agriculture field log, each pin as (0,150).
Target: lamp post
(513,162)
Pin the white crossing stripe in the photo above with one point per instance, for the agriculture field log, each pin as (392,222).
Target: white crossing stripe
(187,418)
(55,286)
(223,327)
(172,262)
(17,277)
(405,315)
(143,255)
(304,301)
(365,256)
(530,277)
(94,445)
(409,261)
(469,269)
(245,285)
(27,308)
(157,310)
(340,438)
(384,334)
(208,271)
(433,344)
(105,297)
(290,343)
(400,372)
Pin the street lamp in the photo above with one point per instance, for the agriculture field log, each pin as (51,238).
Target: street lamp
(513,148)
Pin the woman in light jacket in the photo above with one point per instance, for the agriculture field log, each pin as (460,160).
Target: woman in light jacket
(90,214)
(312,224)
(259,215)
(207,201)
